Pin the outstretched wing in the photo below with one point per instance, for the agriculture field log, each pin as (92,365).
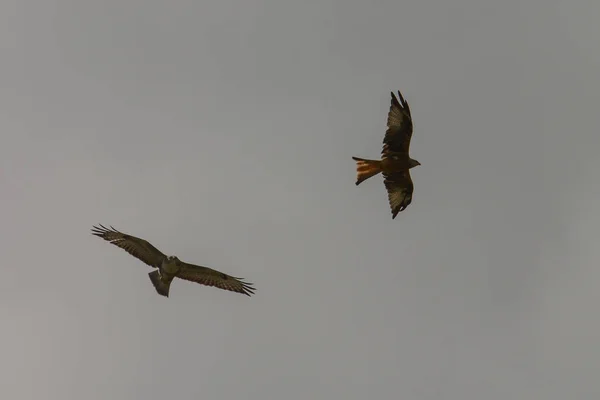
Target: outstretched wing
(139,248)
(210,277)
(399,186)
(400,127)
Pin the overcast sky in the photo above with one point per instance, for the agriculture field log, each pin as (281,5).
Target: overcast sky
(223,131)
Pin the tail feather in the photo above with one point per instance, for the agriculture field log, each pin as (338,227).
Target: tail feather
(161,286)
(366,168)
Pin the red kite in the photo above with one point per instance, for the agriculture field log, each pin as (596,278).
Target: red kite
(395,163)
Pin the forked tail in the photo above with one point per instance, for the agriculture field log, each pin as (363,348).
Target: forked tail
(366,168)
(160,285)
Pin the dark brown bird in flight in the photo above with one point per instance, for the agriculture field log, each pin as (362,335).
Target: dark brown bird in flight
(170,267)
(395,163)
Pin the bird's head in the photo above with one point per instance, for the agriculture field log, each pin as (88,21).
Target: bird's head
(173,259)
(413,163)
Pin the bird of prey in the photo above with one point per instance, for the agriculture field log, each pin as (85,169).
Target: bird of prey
(170,267)
(395,163)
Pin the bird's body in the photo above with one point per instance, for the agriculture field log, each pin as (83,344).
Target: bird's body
(395,163)
(167,271)
(170,267)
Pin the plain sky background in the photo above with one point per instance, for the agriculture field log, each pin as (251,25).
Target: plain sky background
(223,131)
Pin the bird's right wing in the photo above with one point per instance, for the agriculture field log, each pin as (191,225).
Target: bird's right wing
(139,248)
(210,277)
(400,127)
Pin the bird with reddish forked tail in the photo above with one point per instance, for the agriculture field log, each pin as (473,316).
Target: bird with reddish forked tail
(395,163)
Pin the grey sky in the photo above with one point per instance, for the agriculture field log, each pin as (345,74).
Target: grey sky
(222,132)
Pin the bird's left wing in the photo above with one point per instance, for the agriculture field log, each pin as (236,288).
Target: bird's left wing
(210,277)
(400,127)
(400,187)
(139,248)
